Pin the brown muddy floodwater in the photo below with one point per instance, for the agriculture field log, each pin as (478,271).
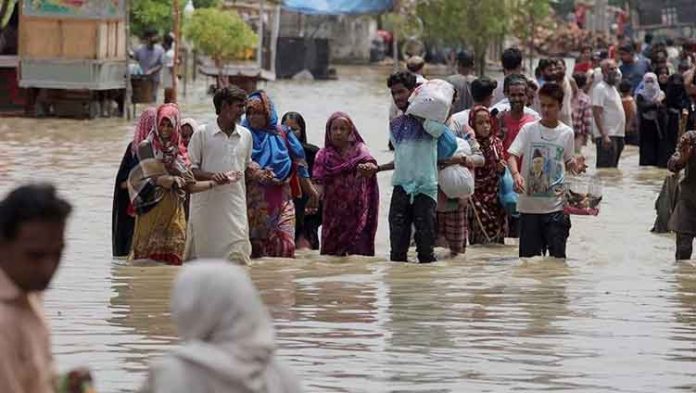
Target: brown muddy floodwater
(618,316)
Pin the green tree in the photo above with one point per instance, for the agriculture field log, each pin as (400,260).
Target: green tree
(528,16)
(150,13)
(474,23)
(222,35)
(205,3)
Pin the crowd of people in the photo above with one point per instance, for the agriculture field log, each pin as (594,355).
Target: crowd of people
(251,186)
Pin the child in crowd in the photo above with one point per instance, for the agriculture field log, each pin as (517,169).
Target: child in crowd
(546,148)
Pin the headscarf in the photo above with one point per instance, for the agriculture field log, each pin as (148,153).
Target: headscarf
(270,145)
(472,122)
(675,94)
(227,334)
(330,162)
(146,123)
(173,152)
(300,122)
(650,88)
(191,123)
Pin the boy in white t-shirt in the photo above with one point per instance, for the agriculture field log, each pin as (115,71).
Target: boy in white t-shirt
(546,148)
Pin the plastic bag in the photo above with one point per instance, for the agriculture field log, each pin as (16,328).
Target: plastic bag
(431,100)
(583,196)
(457,181)
(506,193)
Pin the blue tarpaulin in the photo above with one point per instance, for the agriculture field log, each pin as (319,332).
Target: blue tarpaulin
(337,7)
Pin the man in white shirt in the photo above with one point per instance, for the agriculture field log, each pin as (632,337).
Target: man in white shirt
(546,148)
(218,225)
(609,117)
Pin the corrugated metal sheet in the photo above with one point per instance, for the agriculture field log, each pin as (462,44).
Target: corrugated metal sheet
(338,7)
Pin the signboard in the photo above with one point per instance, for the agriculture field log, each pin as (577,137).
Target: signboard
(79,9)
(338,7)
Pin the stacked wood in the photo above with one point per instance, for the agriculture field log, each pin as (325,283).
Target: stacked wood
(52,38)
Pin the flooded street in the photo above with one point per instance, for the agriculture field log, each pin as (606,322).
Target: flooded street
(619,316)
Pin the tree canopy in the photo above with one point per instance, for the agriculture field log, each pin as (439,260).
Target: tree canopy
(158,13)
(222,35)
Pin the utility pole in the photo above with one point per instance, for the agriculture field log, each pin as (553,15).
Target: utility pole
(395,36)
(177,43)
(259,50)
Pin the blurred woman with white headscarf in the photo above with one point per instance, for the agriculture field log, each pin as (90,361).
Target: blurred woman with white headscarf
(228,337)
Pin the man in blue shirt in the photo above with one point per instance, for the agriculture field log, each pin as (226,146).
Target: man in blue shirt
(632,67)
(418,145)
(150,56)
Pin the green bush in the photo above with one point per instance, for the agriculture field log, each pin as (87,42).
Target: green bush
(222,35)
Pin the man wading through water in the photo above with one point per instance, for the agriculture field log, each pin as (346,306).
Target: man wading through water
(415,180)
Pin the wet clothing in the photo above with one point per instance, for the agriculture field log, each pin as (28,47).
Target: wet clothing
(218,224)
(613,122)
(122,214)
(228,339)
(453,228)
(545,152)
(351,201)
(650,117)
(413,139)
(406,212)
(26,363)
(582,117)
(270,208)
(487,219)
(415,183)
(160,225)
(670,135)
(160,233)
(271,220)
(665,203)
(685,246)
(683,220)
(307,226)
(609,158)
(542,233)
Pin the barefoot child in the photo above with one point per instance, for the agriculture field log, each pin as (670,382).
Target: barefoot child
(546,148)
(683,220)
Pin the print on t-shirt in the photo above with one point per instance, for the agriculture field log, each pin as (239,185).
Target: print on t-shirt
(545,177)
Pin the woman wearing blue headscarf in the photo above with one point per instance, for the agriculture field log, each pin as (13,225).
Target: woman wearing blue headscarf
(279,153)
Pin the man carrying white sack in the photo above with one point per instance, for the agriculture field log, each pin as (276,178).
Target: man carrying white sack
(415,141)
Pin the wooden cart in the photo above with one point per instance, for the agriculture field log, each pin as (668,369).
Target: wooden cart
(73,57)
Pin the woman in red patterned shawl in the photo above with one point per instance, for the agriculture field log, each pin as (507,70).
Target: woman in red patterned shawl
(351,201)
(487,221)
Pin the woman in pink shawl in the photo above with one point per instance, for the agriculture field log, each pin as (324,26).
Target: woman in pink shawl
(351,201)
